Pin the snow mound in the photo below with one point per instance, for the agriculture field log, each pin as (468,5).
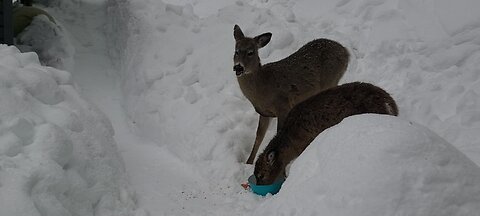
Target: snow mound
(57,153)
(378,165)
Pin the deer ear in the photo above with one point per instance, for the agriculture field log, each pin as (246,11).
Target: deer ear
(237,33)
(271,156)
(263,39)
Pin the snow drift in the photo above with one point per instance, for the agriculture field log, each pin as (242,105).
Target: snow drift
(378,165)
(57,153)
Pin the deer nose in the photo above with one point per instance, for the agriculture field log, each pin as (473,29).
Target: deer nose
(238,69)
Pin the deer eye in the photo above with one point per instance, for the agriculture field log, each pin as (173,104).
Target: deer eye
(250,53)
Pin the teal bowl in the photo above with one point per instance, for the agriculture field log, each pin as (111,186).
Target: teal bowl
(265,189)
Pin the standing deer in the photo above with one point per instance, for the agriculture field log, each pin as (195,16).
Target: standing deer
(274,88)
(309,118)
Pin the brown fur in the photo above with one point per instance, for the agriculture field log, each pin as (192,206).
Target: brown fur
(309,118)
(275,88)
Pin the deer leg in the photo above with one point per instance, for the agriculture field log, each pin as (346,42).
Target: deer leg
(263,123)
(280,121)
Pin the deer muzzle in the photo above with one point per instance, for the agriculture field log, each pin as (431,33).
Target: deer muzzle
(239,69)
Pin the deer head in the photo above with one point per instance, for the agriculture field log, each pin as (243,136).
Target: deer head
(268,168)
(246,58)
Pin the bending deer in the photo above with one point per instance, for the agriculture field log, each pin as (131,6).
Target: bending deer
(274,88)
(309,118)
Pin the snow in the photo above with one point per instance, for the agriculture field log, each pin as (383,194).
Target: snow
(161,74)
(57,153)
(378,165)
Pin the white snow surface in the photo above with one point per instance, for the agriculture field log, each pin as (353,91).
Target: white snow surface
(161,73)
(57,152)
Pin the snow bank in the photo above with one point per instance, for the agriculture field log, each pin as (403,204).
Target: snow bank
(378,165)
(57,153)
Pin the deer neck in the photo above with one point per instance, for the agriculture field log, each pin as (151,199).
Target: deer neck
(251,83)
(290,148)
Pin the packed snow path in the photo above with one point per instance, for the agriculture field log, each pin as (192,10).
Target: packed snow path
(148,166)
